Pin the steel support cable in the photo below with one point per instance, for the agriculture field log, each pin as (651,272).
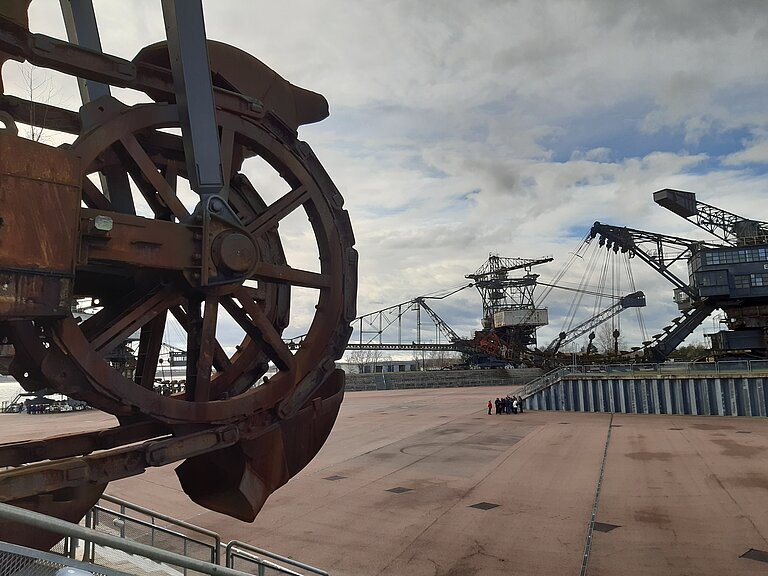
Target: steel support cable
(601,282)
(560,274)
(173,331)
(576,302)
(616,287)
(582,291)
(617,269)
(570,316)
(638,310)
(441,294)
(564,269)
(542,297)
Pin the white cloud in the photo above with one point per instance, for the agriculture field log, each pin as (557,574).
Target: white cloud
(755,152)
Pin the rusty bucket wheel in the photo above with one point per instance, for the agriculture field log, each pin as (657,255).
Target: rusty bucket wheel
(257,303)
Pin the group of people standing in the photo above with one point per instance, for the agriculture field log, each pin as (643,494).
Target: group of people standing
(508,405)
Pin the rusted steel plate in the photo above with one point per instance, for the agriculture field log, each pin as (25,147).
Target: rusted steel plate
(39,204)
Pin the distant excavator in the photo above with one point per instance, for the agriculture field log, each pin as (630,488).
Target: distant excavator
(730,275)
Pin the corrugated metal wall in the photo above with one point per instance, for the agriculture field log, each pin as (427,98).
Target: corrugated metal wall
(707,396)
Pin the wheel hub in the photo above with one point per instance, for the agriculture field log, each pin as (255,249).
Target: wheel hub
(234,252)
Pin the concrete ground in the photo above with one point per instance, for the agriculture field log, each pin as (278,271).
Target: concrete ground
(424,482)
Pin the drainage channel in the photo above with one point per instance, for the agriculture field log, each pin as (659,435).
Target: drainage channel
(591,526)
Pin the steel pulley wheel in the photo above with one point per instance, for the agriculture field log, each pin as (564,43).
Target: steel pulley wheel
(238,246)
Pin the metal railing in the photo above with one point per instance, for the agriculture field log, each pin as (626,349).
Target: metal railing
(666,368)
(20,560)
(114,543)
(126,527)
(128,548)
(141,524)
(243,553)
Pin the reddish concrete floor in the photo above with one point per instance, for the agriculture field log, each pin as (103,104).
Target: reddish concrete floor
(689,494)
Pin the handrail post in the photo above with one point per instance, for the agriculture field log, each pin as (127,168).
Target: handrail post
(87,545)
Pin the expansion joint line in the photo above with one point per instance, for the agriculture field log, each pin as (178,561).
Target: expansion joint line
(591,526)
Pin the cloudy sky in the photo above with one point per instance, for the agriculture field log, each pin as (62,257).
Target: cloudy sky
(460,129)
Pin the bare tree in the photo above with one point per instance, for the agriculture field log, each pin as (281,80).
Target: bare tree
(420,359)
(38,88)
(606,340)
(437,359)
(363,358)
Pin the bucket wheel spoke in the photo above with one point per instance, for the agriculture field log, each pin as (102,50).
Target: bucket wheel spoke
(292,276)
(148,174)
(114,324)
(93,197)
(221,361)
(279,210)
(150,347)
(201,342)
(249,315)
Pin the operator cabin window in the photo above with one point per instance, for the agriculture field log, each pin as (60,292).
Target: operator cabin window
(742,282)
(758,280)
(741,256)
(714,278)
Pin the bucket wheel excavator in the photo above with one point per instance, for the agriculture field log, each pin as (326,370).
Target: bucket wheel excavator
(729,275)
(151,214)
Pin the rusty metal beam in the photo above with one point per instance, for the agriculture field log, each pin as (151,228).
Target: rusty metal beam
(111,465)
(53,117)
(48,52)
(113,238)
(56,447)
